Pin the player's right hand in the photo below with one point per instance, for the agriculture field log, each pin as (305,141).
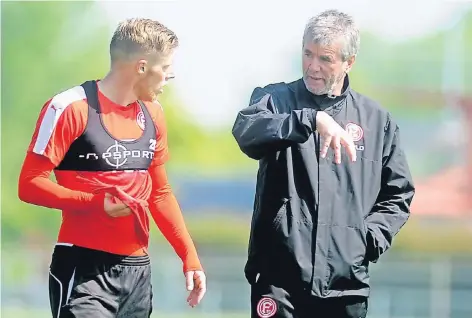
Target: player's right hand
(334,136)
(114,207)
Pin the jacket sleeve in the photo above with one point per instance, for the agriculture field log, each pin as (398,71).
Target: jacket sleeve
(392,208)
(259,129)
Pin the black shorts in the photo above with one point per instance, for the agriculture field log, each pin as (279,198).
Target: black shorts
(269,301)
(89,283)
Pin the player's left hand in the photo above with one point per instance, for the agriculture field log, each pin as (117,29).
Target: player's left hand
(196,285)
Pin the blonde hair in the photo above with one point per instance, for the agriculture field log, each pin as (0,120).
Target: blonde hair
(141,36)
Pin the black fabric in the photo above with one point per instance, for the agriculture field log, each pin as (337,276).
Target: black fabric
(319,223)
(87,283)
(269,300)
(97,150)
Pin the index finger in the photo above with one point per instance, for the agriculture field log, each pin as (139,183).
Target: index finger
(347,142)
(118,207)
(201,290)
(337,149)
(325,147)
(120,213)
(201,283)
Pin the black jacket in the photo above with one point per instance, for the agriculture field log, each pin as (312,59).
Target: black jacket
(316,225)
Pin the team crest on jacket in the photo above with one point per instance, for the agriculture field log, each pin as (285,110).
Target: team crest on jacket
(266,307)
(141,120)
(355,131)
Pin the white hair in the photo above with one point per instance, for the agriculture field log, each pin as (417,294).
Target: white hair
(331,26)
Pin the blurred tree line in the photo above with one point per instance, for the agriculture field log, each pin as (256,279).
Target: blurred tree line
(50,46)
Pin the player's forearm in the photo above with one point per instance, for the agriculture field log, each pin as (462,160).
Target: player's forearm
(44,192)
(36,188)
(166,213)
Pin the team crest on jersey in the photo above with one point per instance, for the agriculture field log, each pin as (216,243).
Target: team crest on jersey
(355,131)
(141,120)
(266,307)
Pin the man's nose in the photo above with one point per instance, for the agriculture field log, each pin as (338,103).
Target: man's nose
(314,66)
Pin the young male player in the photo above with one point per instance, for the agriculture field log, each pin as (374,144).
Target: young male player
(106,142)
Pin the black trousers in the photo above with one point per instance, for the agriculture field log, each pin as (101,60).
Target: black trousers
(89,283)
(271,301)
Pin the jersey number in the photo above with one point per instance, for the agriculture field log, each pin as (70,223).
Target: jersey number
(152,144)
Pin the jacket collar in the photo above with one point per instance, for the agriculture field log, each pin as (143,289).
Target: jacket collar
(321,102)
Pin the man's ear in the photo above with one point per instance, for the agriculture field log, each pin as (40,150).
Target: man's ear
(349,63)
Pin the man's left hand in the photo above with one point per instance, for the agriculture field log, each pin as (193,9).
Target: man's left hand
(196,285)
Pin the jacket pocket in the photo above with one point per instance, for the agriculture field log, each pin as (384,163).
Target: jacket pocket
(346,261)
(268,216)
(290,244)
(279,223)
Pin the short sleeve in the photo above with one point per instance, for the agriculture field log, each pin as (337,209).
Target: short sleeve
(60,122)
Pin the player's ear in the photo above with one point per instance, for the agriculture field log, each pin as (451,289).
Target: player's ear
(141,67)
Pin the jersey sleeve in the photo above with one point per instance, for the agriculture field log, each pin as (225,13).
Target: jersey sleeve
(168,217)
(58,125)
(35,187)
(161,153)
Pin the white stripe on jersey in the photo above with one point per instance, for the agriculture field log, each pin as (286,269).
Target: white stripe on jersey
(55,109)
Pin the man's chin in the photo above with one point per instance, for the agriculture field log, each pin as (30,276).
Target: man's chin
(316,90)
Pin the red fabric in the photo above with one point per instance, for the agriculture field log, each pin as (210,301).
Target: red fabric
(80,194)
(167,215)
(137,207)
(35,187)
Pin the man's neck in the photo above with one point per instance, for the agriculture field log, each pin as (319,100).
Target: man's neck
(338,89)
(117,89)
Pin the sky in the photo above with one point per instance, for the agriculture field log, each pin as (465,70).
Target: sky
(227,48)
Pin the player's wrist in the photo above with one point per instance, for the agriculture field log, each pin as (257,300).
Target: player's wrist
(192,265)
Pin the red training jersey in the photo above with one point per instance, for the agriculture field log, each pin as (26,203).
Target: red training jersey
(62,120)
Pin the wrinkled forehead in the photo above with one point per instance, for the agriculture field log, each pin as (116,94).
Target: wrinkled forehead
(333,47)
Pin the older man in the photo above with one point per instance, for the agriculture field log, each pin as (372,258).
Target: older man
(318,220)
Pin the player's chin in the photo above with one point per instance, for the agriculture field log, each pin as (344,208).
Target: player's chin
(150,97)
(154,94)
